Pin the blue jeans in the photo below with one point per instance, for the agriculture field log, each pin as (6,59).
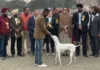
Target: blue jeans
(32,40)
(3,45)
(38,51)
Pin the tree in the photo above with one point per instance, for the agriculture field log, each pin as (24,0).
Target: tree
(70,3)
(98,1)
(3,3)
(38,4)
(16,4)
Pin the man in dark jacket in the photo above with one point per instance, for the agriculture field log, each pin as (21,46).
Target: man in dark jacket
(56,16)
(80,20)
(31,26)
(94,30)
(16,30)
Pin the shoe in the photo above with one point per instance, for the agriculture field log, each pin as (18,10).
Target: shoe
(77,55)
(85,55)
(7,56)
(3,58)
(29,52)
(53,54)
(42,65)
(12,56)
(92,55)
(35,64)
(32,54)
(96,56)
(20,55)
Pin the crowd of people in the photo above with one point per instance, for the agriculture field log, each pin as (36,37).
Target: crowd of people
(36,29)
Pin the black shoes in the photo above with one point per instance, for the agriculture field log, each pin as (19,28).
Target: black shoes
(96,56)
(12,55)
(20,55)
(77,55)
(85,55)
(92,55)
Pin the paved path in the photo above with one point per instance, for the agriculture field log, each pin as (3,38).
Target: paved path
(27,63)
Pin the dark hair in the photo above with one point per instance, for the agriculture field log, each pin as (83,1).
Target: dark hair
(25,8)
(54,8)
(96,9)
(79,5)
(67,9)
(46,10)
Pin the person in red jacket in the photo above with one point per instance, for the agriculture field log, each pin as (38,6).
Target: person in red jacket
(4,32)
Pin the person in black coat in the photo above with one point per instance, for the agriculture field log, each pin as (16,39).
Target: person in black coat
(80,20)
(51,26)
(31,27)
(56,17)
(94,30)
(16,33)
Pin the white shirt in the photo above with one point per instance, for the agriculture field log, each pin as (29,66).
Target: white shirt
(89,21)
(93,16)
(16,20)
(80,15)
(49,19)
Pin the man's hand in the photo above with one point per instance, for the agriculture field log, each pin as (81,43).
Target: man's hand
(65,27)
(66,31)
(98,35)
(80,28)
(49,33)
(17,30)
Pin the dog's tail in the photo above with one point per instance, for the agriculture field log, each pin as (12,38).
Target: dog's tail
(78,44)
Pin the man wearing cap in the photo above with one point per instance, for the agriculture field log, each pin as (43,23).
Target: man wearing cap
(4,32)
(80,20)
(16,30)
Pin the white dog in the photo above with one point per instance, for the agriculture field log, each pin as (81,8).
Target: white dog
(60,48)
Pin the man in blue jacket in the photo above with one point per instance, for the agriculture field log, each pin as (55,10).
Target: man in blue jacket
(31,26)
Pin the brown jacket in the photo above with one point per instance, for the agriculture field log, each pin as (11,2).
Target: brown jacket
(66,20)
(40,28)
(14,26)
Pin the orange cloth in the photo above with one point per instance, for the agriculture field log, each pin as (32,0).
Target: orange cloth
(25,21)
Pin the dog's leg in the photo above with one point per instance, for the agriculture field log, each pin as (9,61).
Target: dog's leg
(74,58)
(59,59)
(71,57)
(56,58)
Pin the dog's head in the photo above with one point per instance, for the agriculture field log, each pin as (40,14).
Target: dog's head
(54,38)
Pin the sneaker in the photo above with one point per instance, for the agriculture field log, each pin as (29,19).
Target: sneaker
(47,54)
(3,58)
(7,56)
(12,55)
(35,64)
(53,54)
(42,65)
